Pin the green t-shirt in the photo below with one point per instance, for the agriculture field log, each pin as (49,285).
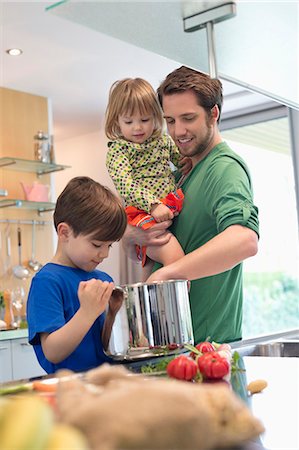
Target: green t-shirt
(218,193)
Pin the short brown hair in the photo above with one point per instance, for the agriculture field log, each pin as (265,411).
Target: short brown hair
(90,208)
(127,96)
(207,90)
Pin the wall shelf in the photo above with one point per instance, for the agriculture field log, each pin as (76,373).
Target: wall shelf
(41,207)
(25,165)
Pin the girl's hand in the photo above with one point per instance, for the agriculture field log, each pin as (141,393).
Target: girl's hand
(94,296)
(161,212)
(185,165)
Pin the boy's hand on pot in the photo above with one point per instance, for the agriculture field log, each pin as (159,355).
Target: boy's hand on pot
(94,296)
(116,301)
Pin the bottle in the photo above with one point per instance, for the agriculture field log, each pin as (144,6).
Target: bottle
(8,311)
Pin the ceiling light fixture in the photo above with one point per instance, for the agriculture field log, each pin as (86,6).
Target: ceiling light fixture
(14,51)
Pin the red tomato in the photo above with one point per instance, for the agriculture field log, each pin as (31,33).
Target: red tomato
(226,354)
(182,368)
(212,365)
(173,346)
(203,347)
(225,347)
(225,350)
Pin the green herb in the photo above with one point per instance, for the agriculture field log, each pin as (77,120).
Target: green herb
(158,367)
(235,363)
(192,349)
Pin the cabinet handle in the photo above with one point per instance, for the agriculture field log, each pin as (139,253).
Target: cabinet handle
(25,344)
(3,348)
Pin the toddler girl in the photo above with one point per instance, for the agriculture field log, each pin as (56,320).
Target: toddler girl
(138,161)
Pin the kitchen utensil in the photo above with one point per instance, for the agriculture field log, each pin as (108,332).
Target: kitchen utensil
(33,264)
(36,192)
(17,300)
(2,265)
(8,313)
(7,261)
(154,320)
(20,271)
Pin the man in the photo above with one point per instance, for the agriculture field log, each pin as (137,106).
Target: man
(218,226)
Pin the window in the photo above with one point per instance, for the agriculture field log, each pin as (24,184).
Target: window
(271,288)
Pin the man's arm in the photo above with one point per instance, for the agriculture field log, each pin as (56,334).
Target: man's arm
(218,255)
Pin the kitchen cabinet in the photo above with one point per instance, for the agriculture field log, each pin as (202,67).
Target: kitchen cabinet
(18,360)
(5,362)
(24,361)
(25,114)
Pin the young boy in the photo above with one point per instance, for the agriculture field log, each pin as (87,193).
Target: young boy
(68,326)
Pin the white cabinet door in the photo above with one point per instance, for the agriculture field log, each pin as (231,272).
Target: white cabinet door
(24,361)
(5,362)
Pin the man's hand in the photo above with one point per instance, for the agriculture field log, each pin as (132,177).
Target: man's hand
(158,275)
(164,274)
(161,212)
(155,235)
(158,234)
(94,296)
(185,165)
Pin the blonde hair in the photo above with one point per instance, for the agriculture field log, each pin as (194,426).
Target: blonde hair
(128,96)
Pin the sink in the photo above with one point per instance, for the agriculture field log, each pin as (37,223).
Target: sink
(286,348)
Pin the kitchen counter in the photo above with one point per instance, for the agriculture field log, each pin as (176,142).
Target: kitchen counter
(13,334)
(278,405)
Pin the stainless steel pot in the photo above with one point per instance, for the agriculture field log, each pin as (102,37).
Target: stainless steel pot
(154,320)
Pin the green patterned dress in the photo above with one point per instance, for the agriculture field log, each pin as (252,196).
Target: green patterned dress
(142,173)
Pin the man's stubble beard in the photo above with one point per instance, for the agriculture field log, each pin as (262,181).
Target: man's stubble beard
(202,146)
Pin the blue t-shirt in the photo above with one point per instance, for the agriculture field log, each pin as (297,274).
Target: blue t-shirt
(52,302)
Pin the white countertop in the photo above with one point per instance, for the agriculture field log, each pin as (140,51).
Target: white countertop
(13,334)
(278,405)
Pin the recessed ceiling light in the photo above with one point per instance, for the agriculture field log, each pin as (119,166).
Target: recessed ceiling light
(14,51)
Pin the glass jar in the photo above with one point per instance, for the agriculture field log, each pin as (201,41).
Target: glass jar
(42,147)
